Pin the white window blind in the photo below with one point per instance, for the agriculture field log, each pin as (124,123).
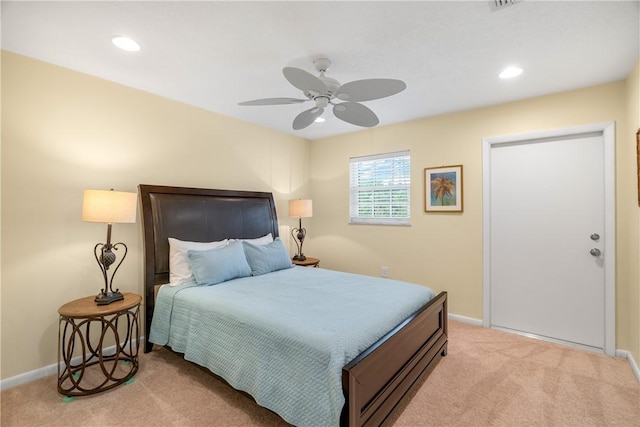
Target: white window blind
(380,188)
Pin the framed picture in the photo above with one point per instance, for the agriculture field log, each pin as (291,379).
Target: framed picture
(638,162)
(443,189)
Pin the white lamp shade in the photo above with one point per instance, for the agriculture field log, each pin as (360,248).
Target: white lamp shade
(109,206)
(300,208)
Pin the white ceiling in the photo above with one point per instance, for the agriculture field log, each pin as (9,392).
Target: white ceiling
(216,54)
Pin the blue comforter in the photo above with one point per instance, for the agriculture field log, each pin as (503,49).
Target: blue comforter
(284,337)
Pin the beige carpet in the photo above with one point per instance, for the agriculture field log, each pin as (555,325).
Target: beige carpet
(488,378)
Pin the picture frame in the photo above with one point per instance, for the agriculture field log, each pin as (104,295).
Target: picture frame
(443,189)
(638,163)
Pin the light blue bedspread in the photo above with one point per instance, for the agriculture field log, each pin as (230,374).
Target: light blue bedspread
(285,336)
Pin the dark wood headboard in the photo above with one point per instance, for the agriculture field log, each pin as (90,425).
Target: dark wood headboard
(197,215)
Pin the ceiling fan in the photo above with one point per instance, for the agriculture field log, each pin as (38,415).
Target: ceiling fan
(323,90)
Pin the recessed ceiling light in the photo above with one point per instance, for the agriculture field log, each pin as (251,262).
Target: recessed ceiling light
(125,43)
(510,72)
(319,119)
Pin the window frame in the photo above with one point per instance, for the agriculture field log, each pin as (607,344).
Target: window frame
(355,189)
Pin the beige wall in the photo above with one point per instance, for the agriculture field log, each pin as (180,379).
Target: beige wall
(629,211)
(63,132)
(444,251)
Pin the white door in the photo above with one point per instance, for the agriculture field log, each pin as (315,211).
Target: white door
(548,237)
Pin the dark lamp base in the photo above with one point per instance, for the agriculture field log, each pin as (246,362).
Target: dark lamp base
(300,257)
(108,298)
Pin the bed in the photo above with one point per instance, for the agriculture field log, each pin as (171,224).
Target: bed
(372,382)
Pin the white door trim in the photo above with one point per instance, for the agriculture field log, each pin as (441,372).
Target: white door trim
(608,132)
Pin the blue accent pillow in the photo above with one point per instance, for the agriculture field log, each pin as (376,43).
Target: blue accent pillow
(267,258)
(218,265)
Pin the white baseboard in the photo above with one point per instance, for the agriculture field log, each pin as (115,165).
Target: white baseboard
(28,377)
(464,319)
(619,353)
(46,371)
(634,366)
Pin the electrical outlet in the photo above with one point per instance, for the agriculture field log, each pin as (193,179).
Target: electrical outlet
(385,271)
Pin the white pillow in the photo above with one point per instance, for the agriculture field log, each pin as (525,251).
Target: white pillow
(264,240)
(179,265)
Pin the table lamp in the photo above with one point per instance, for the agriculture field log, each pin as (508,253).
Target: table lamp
(110,207)
(300,209)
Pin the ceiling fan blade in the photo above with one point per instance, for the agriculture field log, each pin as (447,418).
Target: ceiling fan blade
(304,81)
(356,114)
(369,89)
(307,117)
(273,101)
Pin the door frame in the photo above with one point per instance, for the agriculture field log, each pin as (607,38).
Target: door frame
(607,129)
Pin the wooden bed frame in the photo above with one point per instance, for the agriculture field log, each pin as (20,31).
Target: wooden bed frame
(376,380)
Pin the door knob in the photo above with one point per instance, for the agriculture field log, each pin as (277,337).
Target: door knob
(595,252)
(594,236)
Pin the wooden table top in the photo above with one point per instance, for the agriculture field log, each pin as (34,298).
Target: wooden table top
(308,261)
(87,307)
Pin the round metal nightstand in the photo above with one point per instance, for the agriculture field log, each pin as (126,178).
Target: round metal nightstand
(98,359)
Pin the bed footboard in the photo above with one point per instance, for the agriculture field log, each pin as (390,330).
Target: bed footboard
(376,381)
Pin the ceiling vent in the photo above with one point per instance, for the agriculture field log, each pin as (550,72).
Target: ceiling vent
(501,4)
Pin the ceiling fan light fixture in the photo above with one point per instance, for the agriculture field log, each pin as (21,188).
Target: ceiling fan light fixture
(125,43)
(319,119)
(510,72)
(322,101)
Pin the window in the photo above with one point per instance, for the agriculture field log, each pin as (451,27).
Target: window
(380,188)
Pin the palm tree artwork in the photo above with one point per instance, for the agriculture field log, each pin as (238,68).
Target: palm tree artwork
(443,189)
